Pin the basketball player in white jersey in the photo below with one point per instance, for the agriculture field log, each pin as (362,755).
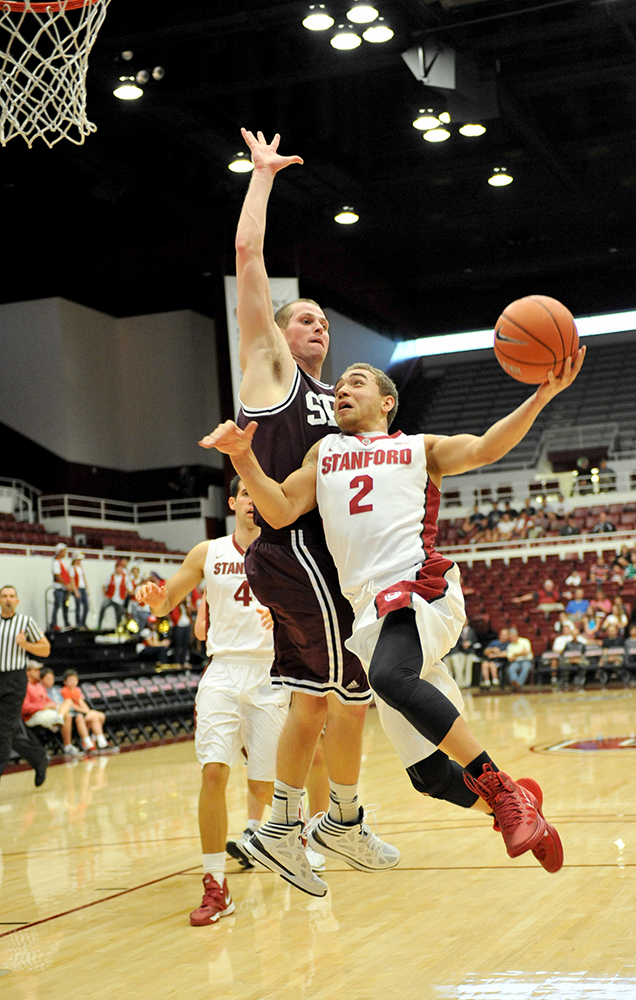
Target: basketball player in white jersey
(236,705)
(378,495)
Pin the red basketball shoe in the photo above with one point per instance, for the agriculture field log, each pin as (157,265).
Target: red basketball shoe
(516,809)
(217,902)
(549,850)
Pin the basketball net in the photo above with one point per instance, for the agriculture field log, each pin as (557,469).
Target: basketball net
(44,49)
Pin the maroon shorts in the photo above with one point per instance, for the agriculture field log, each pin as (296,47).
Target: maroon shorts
(295,577)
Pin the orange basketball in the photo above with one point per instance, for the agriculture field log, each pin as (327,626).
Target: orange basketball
(534,336)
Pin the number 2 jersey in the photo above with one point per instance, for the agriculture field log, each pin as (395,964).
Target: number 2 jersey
(235,631)
(379,509)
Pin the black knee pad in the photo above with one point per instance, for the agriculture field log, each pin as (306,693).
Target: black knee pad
(441,778)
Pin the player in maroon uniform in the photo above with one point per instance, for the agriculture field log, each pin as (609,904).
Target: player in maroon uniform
(290,570)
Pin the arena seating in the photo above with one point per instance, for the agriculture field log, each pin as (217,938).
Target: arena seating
(490,590)
(121,539)
(623,516)
(23,533)
(441,399)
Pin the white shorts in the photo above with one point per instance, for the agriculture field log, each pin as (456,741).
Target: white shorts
(439,625)
(236,706)
(48,718)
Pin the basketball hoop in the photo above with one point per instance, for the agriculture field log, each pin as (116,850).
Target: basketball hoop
(44,49)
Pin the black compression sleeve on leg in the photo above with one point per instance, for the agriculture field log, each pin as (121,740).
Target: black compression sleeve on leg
(476,766)
(441,778)
(394,674)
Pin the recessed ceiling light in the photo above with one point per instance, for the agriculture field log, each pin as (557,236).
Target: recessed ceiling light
(241,164)
(346,39)
(128,89)
(427,119)
(437,135)
(318,19)
(378,33)
(472,130)
(362,13)
(500,177)
(346,216)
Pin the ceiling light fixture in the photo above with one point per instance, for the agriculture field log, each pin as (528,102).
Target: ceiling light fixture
(317,19)
(500,177)
(471,130)
(362,13)
(427,119)
(346,38)
(346,216)
(127,90)
(378,33)
(436,135)
(241,164)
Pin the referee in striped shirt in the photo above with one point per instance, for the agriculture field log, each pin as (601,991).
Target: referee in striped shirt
(20,637)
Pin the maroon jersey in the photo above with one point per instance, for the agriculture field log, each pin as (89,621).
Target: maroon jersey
(285,434)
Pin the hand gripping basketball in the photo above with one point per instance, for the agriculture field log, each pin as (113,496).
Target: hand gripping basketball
(230,439)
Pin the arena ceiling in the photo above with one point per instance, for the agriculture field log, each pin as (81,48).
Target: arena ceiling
(141,217)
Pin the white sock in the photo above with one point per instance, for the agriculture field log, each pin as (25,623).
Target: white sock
(87,743)
(214,865)
(285,804)
(253,825)
(101,741)
(343,802)
(67,747)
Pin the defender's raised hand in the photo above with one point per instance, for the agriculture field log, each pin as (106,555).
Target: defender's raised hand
(265,155)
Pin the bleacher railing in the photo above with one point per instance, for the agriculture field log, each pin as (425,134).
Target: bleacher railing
(23,496)
(67,505)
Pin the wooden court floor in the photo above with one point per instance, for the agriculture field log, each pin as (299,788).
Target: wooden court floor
(99,869)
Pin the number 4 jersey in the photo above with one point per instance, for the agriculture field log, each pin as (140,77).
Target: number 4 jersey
(379,509)
(235,631)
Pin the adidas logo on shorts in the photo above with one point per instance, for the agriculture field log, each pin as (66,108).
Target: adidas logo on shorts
(352,685)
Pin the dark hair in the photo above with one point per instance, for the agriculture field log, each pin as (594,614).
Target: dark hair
(46,670)
(234,486)
(71,672)
(385,384)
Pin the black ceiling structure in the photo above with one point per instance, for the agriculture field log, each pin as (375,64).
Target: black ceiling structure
(141,218)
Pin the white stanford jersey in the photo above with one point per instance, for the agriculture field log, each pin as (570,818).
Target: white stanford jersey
(235,631)
(379,509)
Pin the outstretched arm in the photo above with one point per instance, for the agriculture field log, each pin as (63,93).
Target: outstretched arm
(264,356)
(279,503)
(459,453)
(163,599)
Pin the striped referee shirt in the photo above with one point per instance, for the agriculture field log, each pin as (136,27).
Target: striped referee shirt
(12,656)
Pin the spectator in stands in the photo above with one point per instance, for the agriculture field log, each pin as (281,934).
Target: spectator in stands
(154,645)
(116,592)
(578,606)
(630,647)
(618,616)
(584,478)
(523,523)
(63,586)
(601,603)
(573,579)
(599,570)
(606,477)
(529,509)
(495,659)
(520,659)
(19,636)
(556,506)
(619,568)
(569,633)
(93,719)
(560,622)
(181,633)
(494,516)
(80,589)
(505,527)
(603,525)
(37,708)
(47,679)
(473,524)
(547,598)
(613,649)
(571,641)
(630,570)
(509,509)
(139,612)
(589,628)
(569,527)
(461,657)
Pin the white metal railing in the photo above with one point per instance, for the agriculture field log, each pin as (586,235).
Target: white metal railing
(67,505)
(105,555)
(24,497)
(568,548)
